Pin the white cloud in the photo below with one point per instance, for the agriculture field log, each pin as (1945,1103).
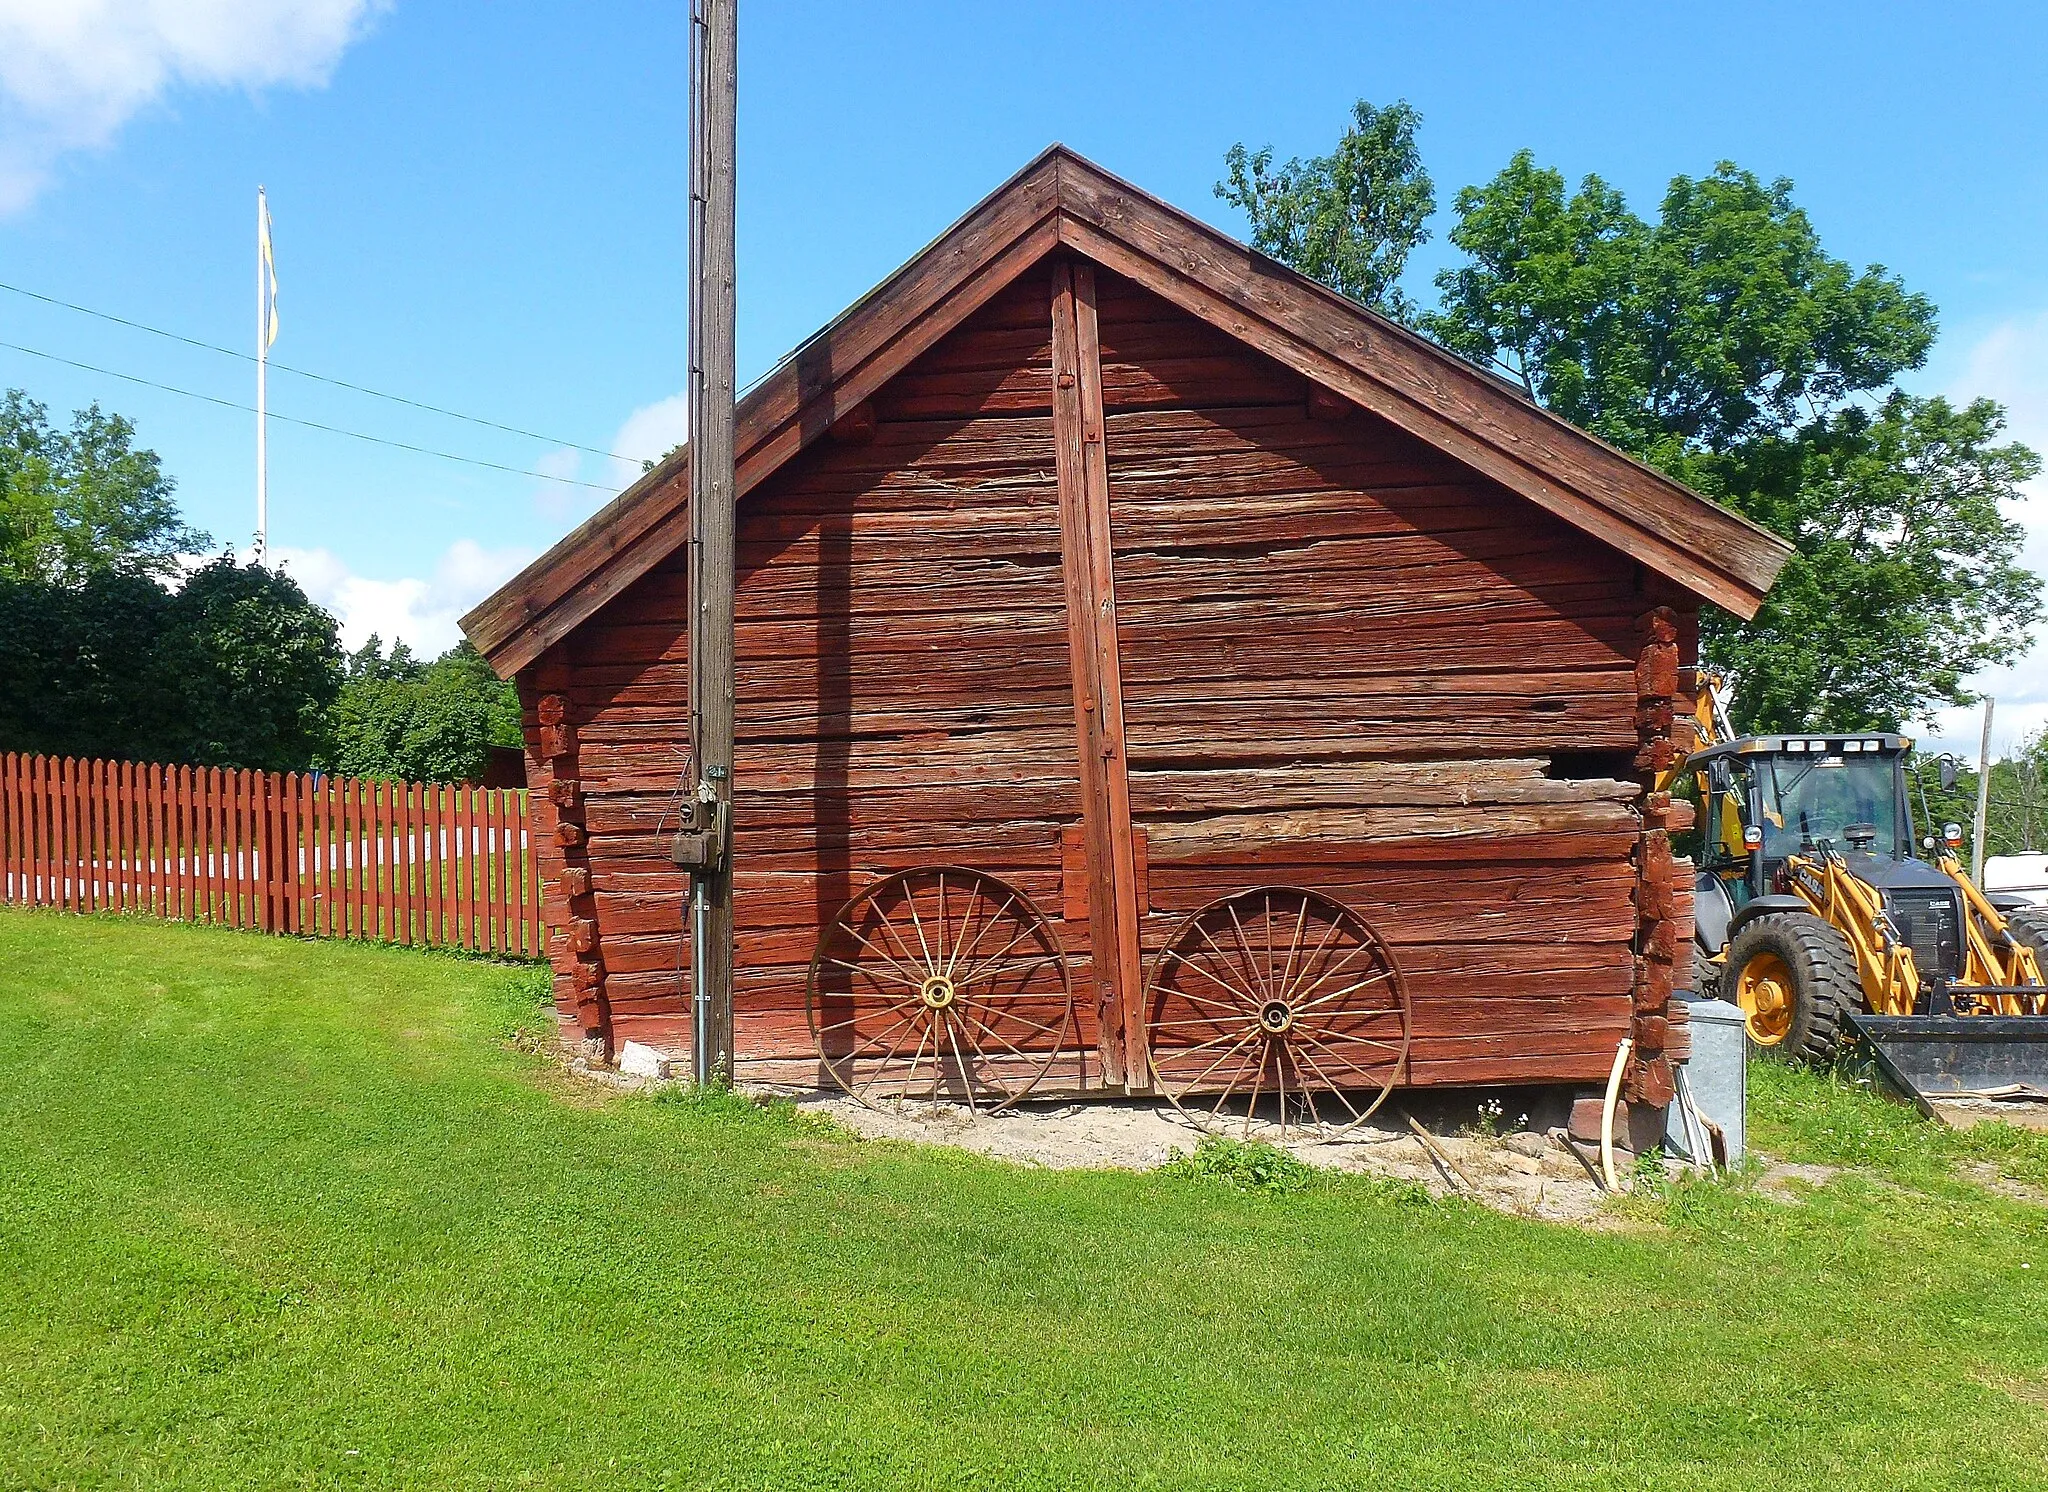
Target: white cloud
(72,72)
(556,501)
(2010,364)
(649,434)
(422,612)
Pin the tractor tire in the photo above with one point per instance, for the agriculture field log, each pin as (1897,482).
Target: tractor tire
(1706,975)
(2029,927)
(1794,977)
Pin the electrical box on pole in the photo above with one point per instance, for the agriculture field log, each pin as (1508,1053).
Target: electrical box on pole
(704,847)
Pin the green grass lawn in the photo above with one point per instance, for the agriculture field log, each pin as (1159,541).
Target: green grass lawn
(282,1214)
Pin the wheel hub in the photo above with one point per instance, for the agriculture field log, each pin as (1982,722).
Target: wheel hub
(1764,991)
(1276,1017)
(936,992)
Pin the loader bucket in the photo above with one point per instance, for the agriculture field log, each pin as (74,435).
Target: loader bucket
(1928,1058)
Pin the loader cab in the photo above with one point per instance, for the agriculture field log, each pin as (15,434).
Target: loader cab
(1759,799)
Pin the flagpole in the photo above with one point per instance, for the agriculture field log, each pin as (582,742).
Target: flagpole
(262,372)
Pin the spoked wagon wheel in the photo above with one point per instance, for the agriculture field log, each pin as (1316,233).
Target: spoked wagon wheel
(939,984)
(1277,1004)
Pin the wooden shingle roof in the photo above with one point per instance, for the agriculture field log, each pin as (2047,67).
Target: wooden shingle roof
(1061,199)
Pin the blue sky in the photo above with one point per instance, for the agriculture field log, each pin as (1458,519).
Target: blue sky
(481,206)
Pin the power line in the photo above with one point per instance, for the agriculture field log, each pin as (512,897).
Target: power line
(375,440)
(340,383)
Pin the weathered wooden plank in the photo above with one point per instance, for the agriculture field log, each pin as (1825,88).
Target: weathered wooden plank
(1395,375)
(796,404)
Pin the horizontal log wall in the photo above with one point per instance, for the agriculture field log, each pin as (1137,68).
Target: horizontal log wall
(1346,659)
(1347,662)
(902,682)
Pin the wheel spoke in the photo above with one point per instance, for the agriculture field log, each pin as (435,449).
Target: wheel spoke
(1289,963)
(909,976)
(960,1063)
(1189,1051)
(1331,971)
(1279,1049)
(1247,995)
(1286,978)
(960,952)
(902,1012)
(1329,935)
(867,973)
(1258,1082)
(1329,1087)
(1203,1076)
(1251,961)
(1237,1009)
(989,973)
(1324,999)
(997,1036)
(1385,1046)
(1010,1015)
(917,926)
(899,1029)
(974,973)
(1257,1054)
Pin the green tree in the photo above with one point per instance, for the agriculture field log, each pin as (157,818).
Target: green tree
(1722,323)
(1350,218)
(2016,809)
(1724,345)
(1905,581)
(235,669)
(84,501)
(255,666)
(432,722)
(78,673)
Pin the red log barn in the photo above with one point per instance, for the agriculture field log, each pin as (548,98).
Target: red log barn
(1154,672)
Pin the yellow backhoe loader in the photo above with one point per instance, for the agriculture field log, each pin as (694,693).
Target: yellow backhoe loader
(1813,913)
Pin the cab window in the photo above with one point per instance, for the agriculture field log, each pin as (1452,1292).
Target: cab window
(1691,843)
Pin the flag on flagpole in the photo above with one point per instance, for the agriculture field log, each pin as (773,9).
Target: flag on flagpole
(266,334)
(269,269)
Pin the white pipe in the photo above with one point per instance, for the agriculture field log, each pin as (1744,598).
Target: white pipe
(1694,1123)
(1607,1114)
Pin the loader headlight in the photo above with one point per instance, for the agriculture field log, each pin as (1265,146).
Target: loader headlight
(1953,833)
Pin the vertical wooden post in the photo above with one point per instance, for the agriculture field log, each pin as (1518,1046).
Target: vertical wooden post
(714,71)
(385,812)
(10,831)
(1085,552)
(124,836)
(415,893)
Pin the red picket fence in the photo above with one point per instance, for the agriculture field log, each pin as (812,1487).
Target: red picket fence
(315,856)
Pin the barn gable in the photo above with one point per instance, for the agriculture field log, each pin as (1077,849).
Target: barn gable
(1061,200)
(1096,603)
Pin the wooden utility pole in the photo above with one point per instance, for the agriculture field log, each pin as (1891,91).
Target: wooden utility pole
(1983,798)
(714,69)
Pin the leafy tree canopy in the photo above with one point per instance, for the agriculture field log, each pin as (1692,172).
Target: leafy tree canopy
(1722,322)
(1350,218)
(255,665)
(1723,344)
(235,669)
(85,501)
(421,722)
